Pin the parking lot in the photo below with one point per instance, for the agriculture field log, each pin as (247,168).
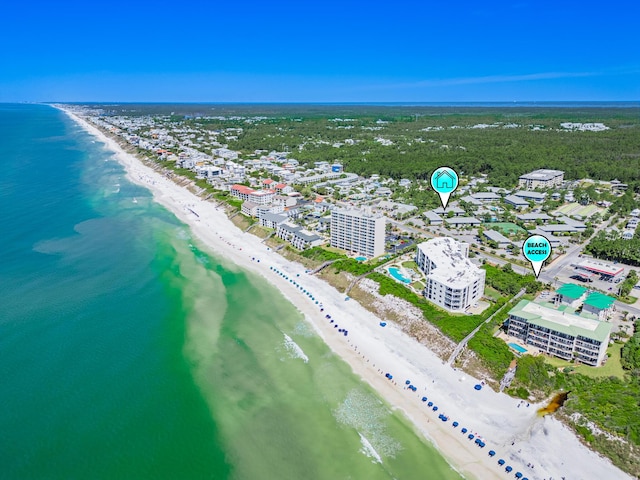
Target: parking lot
(570,274)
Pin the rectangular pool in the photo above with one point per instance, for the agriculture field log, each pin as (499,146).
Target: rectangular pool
(518,348)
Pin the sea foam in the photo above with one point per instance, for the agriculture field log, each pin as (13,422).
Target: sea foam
(368,449)
(367,414)
(294,349)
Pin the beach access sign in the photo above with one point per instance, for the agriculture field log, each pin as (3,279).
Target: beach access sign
(536,249)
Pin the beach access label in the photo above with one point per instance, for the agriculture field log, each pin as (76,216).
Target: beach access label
(444,181)
(536,249)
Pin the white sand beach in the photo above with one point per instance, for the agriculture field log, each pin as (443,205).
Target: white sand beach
(511,429)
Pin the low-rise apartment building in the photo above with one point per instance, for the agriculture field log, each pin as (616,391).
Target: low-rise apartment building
(560,332)
(542,178)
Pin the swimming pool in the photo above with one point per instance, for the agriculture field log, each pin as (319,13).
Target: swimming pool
(395,273)
(518,348)
(361,259)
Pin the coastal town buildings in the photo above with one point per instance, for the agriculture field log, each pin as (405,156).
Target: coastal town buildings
(560,332)
(358,231)
(452,280)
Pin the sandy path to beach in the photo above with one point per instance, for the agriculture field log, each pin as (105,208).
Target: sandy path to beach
(510,428)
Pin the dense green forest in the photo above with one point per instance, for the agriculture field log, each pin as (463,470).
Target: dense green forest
(627,251)
(502,142)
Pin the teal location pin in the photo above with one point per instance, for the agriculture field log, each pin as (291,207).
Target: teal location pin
(536,249)
(444,181)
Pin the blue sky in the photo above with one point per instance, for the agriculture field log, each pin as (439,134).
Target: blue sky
(330,51)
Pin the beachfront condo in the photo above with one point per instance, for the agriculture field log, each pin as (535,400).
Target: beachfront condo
(358,232)
(560,332)
(452,281)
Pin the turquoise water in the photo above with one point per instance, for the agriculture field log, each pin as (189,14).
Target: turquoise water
(128,352)
(518,348)
(395,273)
(361,259)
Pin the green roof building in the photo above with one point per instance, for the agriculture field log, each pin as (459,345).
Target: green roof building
(571,294)
(599,304)
(560,332)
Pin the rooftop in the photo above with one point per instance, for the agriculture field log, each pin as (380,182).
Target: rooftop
(496,236)
(516,200)
(453,268)
(599,300)
(460,220)
(571,290)
(600,267)
(529,194)
(561,321)
(542,174)
(352,212)
(533,216)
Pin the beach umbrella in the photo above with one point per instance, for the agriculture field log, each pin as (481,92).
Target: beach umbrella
(430,404)
(470,436)
(508,468)
(491,453)
(478,387)
(424,399)
(501,462)
(464,430)
(407,382)
(455,424)
(518,475)
(383,324)
(435,408)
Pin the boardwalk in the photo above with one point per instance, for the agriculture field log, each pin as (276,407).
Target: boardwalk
(466,339)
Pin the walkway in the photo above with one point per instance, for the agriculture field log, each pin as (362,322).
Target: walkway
(466,339)
(322,267)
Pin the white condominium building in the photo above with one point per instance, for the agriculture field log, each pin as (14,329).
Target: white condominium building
(543,178)
(358,232)
(453,281)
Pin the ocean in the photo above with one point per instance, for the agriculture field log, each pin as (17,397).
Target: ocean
(127,351)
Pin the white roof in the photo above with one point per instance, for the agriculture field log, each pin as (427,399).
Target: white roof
(453,268)
(542,174)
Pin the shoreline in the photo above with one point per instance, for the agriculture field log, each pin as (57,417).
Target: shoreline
(510,428)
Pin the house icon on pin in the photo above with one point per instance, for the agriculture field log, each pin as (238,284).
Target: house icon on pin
(444,180)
